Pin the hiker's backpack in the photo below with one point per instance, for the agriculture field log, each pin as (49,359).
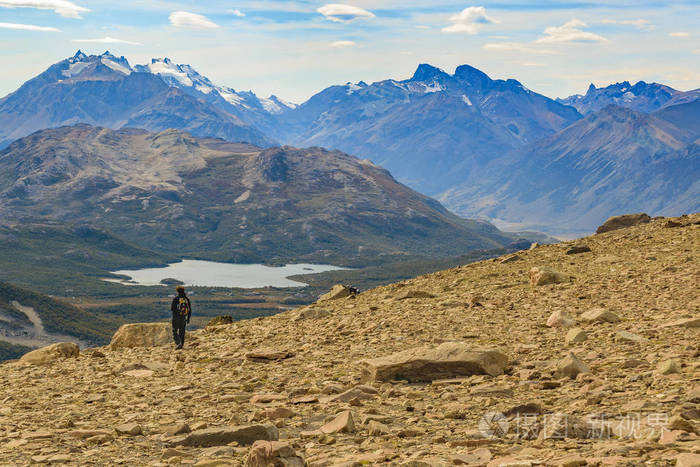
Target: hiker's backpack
(183,306)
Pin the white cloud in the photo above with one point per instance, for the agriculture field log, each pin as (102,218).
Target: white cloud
(343,44)
(679,34)
(642,24)
(520,48)
(236,12)
(470,20)
(342,13)
(185,19)
(569,32)
(28,27)
(106,40)
(422,26)
(61,7)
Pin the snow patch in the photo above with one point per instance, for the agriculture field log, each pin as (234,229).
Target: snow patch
(171,71)
(433,87)
(75,69)
(231,97)
(466,100)
(270,106)
(204,89)
(115,66)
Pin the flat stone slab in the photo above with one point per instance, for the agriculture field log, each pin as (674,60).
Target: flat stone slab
(220,436)
(449,360)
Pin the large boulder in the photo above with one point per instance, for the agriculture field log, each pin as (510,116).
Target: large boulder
(51,353)
(449,360)
(141,335)
(620,222)
(223,435)
(273,454)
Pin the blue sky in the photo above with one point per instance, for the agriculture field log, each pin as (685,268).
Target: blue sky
(296,48)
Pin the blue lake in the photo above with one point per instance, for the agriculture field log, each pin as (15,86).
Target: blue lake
(213,274)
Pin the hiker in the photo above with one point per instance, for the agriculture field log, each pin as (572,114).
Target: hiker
(182,310)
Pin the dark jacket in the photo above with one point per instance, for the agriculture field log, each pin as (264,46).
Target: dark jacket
(175,309)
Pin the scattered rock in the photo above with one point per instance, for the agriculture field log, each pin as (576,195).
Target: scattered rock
(571,366)
(310,313)
(139,373)
(342,423)
(219,436)
(623,221)
(220,320)
(626,336)
(132,429)
(50,354)
(358,392)
(530,408)
(679,423)
(694,395)
(273,414)
(542,276)
(142,335)
(571,461)
(563,426)
(337,292)
(85,434)
(560,319)
(510,259)
(410,293)
(479,456)
(683,323)
(375,428)
(599,315)
(688,459)
(177,429)
(449,360)
(669,224)
(267,398)
(575,250)
(269,355)
(668,367)
(273,454)
(575,335)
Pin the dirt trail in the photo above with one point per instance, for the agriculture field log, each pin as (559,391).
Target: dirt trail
(33,317)
(36,335)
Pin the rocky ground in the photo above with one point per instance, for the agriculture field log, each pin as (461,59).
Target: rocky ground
(590,359)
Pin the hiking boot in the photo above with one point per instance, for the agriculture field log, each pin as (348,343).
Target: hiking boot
(178,347)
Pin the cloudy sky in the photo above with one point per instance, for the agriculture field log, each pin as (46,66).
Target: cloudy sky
(296,48)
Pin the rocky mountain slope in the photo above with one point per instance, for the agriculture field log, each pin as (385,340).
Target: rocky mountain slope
(615,159)
(430,130)
(589,359)
(170,192)
(104,90)
(642,97)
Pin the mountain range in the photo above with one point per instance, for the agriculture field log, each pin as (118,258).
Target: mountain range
(615,160)
(105,90)
(457,137)
(643,97)
(172,192)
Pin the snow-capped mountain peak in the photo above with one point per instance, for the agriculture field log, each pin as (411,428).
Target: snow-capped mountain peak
(83,65)
(185,77)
